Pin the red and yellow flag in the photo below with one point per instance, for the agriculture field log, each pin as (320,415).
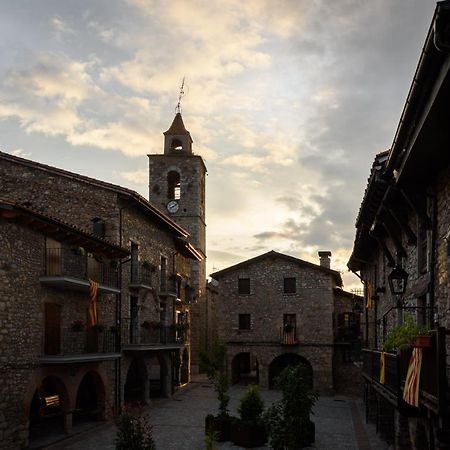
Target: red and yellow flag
(382,368)
(411,389)
(92,306)
(369,301)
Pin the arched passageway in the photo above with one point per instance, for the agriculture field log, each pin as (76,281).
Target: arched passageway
(47,408)
(245,368)
(136,384)
(279,363)
(90,404)
(158,375)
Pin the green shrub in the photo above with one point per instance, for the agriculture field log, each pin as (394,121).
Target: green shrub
(251,405)
(134,433)
(288,421)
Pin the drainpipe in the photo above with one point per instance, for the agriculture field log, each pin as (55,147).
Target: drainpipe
(433,251)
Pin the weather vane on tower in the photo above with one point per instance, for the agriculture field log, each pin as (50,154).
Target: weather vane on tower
(178,108)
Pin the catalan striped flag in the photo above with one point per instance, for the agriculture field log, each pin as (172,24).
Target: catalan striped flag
(369,301)
(92,306)
(382,368)
(411,389)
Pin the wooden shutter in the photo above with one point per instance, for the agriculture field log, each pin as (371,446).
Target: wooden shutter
(52,335)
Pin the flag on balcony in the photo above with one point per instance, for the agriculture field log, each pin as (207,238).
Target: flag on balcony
(411,389)
(92,307)
(382,368)
(369,302)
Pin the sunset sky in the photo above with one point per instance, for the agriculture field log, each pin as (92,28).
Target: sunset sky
(287,101)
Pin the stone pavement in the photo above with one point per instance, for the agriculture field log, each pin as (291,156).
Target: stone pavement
(178,423)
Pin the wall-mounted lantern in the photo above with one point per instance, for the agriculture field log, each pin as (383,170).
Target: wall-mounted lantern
(397,280)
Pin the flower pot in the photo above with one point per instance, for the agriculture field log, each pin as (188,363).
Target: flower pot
(422,342)
(221,425)
(248,435)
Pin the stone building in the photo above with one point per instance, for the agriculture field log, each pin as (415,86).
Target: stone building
(401,253)
(145,317)
(275,310)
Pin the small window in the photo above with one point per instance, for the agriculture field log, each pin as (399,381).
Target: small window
(290,286)
(163,274)
(244,286)
(244,322)
(173,185)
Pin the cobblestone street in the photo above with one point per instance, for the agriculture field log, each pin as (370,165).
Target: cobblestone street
(179,423)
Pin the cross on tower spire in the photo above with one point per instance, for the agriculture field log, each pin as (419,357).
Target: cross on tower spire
(178,108)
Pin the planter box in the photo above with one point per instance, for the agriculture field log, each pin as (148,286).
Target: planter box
(221,425)
(248,436)
(422,342)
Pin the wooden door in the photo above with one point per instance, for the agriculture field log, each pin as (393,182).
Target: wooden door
(52,333)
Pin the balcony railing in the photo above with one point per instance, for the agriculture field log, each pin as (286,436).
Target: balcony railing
(133,333)
(70,342)
(433,376)
(65,262)
(141,275)
(288,336)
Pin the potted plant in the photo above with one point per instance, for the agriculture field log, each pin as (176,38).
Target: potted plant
(288,421)
(80,251)
(77,325)
(407,335)
(249,431)
(214,365)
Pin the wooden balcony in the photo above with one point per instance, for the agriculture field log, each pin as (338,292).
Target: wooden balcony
(433,378)
(65,268)
(69,345)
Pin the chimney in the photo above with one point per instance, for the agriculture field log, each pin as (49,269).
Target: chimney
(325,259)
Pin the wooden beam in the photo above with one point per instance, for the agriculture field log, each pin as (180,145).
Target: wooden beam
(402,221)
(387,253)
(414,206)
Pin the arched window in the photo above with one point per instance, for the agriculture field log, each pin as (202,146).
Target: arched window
(176,145)
(173,185)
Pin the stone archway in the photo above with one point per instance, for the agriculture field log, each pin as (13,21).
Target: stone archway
(160,370)
(136,389)
(48,407)
(284,360)
(90,402)
(245,368)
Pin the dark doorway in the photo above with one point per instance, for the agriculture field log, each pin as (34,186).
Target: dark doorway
(184,376)
(286,360)
(52,334)
(136,382)
(90,399)
(245,369)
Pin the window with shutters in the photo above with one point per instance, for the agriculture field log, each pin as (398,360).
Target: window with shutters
(290,285)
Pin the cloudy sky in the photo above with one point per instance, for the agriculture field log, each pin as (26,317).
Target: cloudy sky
(287,101)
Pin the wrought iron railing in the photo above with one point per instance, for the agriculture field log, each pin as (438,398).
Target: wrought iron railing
(147,333)
(288,335)
(75,263)
(74,341)
(141,274)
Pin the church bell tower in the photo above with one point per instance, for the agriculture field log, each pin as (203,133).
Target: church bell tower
(177,188)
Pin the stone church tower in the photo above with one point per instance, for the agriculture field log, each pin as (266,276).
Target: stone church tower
(177,188)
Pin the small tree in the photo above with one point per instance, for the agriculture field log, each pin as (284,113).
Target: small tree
(288,420)
(214,364)
(134,433)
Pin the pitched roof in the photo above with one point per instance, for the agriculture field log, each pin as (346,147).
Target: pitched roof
(60,230)
(273,254)
(131,195)
(177,126)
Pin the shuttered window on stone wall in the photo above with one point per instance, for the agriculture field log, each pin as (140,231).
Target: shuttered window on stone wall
(244,286)
(244,322)
(290,285)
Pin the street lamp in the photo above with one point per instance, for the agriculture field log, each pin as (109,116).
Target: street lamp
(397,280)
